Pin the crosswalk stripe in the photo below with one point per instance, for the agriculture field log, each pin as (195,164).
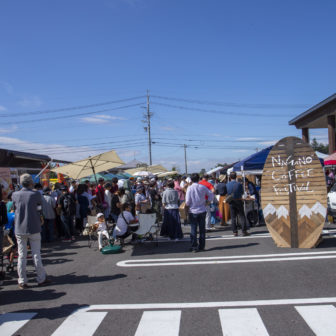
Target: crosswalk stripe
(241,322)
(321,319)
(163,323)
(12,322)
(80,324)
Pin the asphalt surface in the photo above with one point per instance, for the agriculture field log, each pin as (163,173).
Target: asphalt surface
(188,293)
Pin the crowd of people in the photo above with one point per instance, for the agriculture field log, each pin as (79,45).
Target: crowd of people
(44,214)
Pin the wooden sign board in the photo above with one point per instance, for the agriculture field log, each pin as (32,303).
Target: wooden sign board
(294,194)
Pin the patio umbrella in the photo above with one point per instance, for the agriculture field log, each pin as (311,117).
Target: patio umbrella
(91,165)
(156,169)
(171,173)
(143,173)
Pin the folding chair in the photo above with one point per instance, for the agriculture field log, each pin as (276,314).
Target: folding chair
(148,227)
(90,230)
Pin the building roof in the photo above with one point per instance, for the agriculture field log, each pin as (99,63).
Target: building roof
(316,116)
(13,158)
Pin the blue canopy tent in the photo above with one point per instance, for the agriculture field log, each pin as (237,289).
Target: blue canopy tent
(253,164)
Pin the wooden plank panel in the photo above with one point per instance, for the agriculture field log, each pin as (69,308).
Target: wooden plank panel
(293,194)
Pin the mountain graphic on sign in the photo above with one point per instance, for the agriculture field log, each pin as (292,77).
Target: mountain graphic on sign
(318,208)
(282,212)
(269,210)
(305,211)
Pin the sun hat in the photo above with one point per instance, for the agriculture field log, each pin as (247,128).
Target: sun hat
(222,178)
(100,214)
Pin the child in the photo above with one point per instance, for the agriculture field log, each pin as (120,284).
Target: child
(101,229)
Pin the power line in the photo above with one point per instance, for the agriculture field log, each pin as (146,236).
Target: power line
(80,107)
(73,115)
(213,140)
(163,144)
(238,114)
(57,147)
(88,150)
(230,104)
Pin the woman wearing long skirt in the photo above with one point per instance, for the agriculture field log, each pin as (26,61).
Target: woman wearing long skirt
(171,226)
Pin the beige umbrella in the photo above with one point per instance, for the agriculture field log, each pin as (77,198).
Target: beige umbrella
(170,173)
(91,165)
(152,169)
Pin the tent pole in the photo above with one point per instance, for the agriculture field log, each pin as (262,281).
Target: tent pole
(94,173)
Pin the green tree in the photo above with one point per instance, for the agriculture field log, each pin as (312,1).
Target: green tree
(319,147)
(202,172)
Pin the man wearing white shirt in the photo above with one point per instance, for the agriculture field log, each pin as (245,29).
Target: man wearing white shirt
(195,200)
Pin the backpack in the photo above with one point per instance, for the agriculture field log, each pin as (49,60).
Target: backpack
(69,205)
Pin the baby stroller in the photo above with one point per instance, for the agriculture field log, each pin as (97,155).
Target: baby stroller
(8,249)
(91,232)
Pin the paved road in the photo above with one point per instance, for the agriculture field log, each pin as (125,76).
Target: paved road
(238,286)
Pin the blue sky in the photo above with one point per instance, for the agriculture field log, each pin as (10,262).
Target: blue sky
(224,77)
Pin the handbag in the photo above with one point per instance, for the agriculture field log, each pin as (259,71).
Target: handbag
(229,198)
(183,209)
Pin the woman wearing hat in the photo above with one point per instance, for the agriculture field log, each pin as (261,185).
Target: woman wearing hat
(171,225)
(224,208)
(140,199)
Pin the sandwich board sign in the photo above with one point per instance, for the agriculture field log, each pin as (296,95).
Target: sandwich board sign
(294,194)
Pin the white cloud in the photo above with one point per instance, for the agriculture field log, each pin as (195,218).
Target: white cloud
(128,154)
(101,119)
(7,87)
(30,102)
(2,108)
(8,130)
(268,143)
(322,138)
(248,139)
(55,151)
(217,135)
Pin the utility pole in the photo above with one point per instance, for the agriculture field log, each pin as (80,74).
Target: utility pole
(148,116)
(185,158)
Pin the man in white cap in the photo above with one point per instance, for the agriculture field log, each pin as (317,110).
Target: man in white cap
(28,206)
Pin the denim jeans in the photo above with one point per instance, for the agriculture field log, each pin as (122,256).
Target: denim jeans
(67,225)
(197,220)
(35,245)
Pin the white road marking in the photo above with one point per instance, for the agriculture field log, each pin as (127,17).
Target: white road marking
(80,324)
(242,322)
(325,233)
(228,259)
(12,322)
(223,304)
(321,319)
(163,323)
